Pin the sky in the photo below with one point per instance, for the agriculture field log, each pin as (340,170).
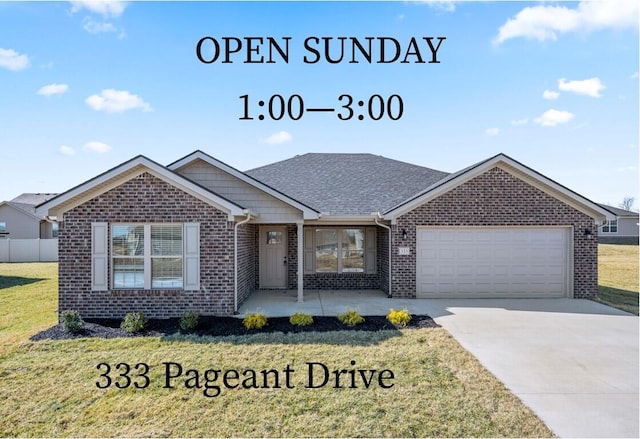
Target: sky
(85,86)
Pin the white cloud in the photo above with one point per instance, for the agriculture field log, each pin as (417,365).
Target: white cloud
(97,147)
(550,95)
(551,118)
(53,89)
(66,150)
(12,60)
(116,101)
(545,22)
(279,137)
(520,121)
(440,5)
(589,87)
(106,8)
(634,76)
(95,27)
(492,131)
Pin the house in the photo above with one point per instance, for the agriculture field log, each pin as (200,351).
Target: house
(623,229)
(200,235)
(18,219)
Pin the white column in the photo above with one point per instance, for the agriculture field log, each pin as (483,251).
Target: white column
(300,261)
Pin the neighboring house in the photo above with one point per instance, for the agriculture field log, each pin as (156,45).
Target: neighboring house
(623,229)
(18,219)
(200,235)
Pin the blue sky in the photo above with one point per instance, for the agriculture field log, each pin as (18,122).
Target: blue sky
(85,86)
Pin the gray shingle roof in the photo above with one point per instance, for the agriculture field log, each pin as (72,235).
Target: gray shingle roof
(33,199)
(620,212)
(347,184)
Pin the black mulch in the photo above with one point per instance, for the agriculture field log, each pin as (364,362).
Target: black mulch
(223,326)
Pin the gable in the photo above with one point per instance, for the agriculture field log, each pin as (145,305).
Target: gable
(267,207)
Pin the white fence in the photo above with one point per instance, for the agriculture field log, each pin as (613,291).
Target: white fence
(29,250)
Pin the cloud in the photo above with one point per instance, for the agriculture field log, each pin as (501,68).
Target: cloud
(95,27)
(551,118)
(634,76)
(545,22)
(106,8)
(116,101)
(520,121)
(12,60)
(97,147)
(440,5)
(589,87)
(492,131)
(550,95)
(279,137)
(66,150)
(53,89)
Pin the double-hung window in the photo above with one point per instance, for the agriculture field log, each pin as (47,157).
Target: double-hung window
(340,250)
(610,227)
(147,256)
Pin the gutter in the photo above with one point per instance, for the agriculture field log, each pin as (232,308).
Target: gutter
(378,216)
(235,260)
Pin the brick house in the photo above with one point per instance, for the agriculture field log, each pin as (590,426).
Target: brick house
(200,235)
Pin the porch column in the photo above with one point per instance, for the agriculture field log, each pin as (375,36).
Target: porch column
(300,261)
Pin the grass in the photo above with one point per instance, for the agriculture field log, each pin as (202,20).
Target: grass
(48,388)
(618,276)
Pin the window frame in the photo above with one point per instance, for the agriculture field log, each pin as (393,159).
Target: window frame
(607,228)
(147,257)
(339,232)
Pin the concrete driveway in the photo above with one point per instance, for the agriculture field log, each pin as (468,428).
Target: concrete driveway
(573,362)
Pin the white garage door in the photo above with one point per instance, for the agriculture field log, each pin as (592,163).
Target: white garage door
(492,262)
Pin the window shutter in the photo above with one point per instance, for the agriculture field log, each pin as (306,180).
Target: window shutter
(99,256)
(309,251)
(192,256)
(370,250)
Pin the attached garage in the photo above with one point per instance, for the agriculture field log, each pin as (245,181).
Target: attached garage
(516,262)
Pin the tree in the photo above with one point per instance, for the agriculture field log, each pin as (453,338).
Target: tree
(627,203)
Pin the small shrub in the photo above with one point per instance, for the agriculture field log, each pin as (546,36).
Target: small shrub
(301,319)
(134,322)
(72,322)
(189,321)
(399,318)
(254,321)
(351,317)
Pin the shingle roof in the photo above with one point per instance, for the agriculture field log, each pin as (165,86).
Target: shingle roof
(347,184)
(27,202)
(621,212)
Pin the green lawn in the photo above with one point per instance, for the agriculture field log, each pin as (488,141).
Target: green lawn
(618,276)
(49,388)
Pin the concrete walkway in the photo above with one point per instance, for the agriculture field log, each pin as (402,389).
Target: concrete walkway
(574,362)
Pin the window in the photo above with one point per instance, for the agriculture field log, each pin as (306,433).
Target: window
(610,227)
(3,227)
(339,250)
(147,256)
(54,230)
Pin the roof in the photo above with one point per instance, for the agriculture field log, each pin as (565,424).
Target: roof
(25,209)
(341,184)
(621,212)
(126,171)
(33,199)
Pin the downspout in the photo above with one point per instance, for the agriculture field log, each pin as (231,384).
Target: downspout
(378,216)
(235,261)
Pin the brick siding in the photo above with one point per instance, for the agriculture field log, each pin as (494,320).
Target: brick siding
(147,199)
(496,198)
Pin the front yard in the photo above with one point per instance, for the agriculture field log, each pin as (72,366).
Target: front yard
(50,388)
(618,276)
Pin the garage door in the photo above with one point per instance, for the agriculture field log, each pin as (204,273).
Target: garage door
(492,262)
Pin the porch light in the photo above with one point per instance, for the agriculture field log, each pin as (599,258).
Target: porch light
(588,234)
(404,234)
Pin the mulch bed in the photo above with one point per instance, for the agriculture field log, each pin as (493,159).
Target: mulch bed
(223,326)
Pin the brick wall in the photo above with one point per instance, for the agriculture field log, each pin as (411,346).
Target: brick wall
(247,254)
(496,198)
(146,199)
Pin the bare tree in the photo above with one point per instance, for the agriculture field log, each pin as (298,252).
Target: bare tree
(627,203)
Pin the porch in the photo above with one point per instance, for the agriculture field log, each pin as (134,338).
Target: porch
(283,303)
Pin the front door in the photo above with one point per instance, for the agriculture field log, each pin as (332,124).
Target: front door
(273,257)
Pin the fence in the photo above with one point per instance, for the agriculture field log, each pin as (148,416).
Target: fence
(28,250)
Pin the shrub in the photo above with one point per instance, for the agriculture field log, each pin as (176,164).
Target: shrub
(399,318)
(351,317)
(189,321)
(301,319)
(71,321)
(134,322)
(254,321)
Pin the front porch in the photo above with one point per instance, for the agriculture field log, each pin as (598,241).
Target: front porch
(283,303)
